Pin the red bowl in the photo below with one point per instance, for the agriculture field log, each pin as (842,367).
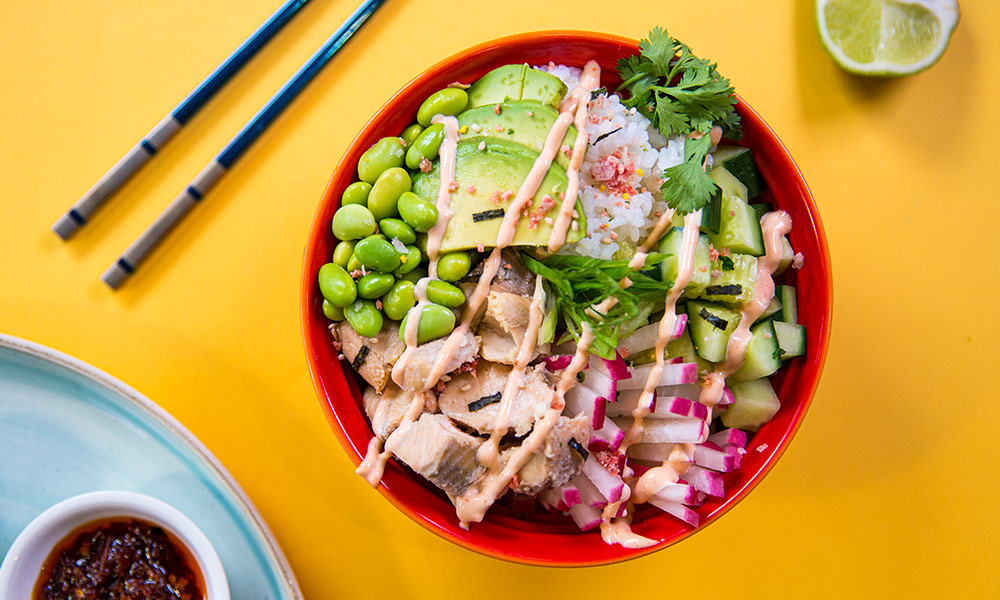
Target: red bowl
(542,538)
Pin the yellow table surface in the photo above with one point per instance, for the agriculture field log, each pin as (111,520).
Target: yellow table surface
(889,487)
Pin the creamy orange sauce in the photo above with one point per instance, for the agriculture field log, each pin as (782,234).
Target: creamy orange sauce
(373,464)
(488,454)
(577,102)
(473,504)
(774,225)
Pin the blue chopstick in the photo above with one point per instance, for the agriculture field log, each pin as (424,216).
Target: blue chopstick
(82,210)
(199,186)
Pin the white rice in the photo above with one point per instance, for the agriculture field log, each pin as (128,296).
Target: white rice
(621,174)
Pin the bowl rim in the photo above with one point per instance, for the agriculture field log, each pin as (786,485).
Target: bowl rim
(733,495)
(37,540)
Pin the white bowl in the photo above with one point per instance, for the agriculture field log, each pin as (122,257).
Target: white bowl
(23,564)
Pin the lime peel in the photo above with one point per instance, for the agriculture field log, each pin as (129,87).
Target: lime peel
(886,37)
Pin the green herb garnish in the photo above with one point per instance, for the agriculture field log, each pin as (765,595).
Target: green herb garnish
(581,283)
(681,94)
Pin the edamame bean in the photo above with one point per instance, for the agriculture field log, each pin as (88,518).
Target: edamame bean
(426,146)
(364,318)
(453,266)
(353,264)
(435,321)
(374,285)
(396,228)
(343,252)
(386,192)
(398,300)
(410,133)
(448,102)
(409,261)
(353,222)
(415,275)
(445,294)
(334,313)
(417,212)
(336,285)
(384,154)
(356,193)
(377,254)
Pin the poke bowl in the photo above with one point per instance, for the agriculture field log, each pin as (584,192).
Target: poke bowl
(517,528)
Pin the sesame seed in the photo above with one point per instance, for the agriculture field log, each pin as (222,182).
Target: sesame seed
(481,146)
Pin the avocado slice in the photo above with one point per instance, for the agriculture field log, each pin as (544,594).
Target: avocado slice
(517,82)
(526,122)
(501,166)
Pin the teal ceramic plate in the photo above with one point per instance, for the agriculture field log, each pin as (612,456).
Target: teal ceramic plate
(68,428)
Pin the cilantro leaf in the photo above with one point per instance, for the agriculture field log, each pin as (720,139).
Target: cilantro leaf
(681,94)
(688,187)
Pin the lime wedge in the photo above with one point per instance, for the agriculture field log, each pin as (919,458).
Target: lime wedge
(886,37)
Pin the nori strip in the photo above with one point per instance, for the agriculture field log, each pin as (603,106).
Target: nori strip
(733,289)
(578,447)
(484,402)
(604,135)
(359,358)
(717,322)
(487,215)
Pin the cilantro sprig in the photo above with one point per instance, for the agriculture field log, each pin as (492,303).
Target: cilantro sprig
(581,283)
(682,95)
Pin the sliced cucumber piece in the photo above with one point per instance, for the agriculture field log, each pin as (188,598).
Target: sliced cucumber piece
(684,348)
(671,244)
(711,325)
(773,307)
(711,217)
(739,230)
(763,354)
(791,339)
(756,403)
(732,279)
(787,256)
(739,161)
(789,312)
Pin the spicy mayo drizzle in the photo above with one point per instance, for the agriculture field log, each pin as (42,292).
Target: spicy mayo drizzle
(496,479)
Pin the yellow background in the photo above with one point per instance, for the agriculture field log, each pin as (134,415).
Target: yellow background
(890,487)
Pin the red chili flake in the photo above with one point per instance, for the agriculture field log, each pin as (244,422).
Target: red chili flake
(495,197)
(716,273)
(703,268)
(337,345)
(732,213)
(472,189)
(657,214)
(507,195)
(452,186)
(562,195)
(713,254)
(481,247)
(724,251)
(426,166)
(496,109)
(613,235)
(378,304)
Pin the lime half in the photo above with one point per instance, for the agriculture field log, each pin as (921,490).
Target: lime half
(886,37)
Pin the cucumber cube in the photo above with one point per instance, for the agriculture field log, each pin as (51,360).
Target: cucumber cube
(671,244)
(789,312)
(731,279)
(763,355)
(756,404)
(740,162)
(711,325)
(739,229)
(791,339)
